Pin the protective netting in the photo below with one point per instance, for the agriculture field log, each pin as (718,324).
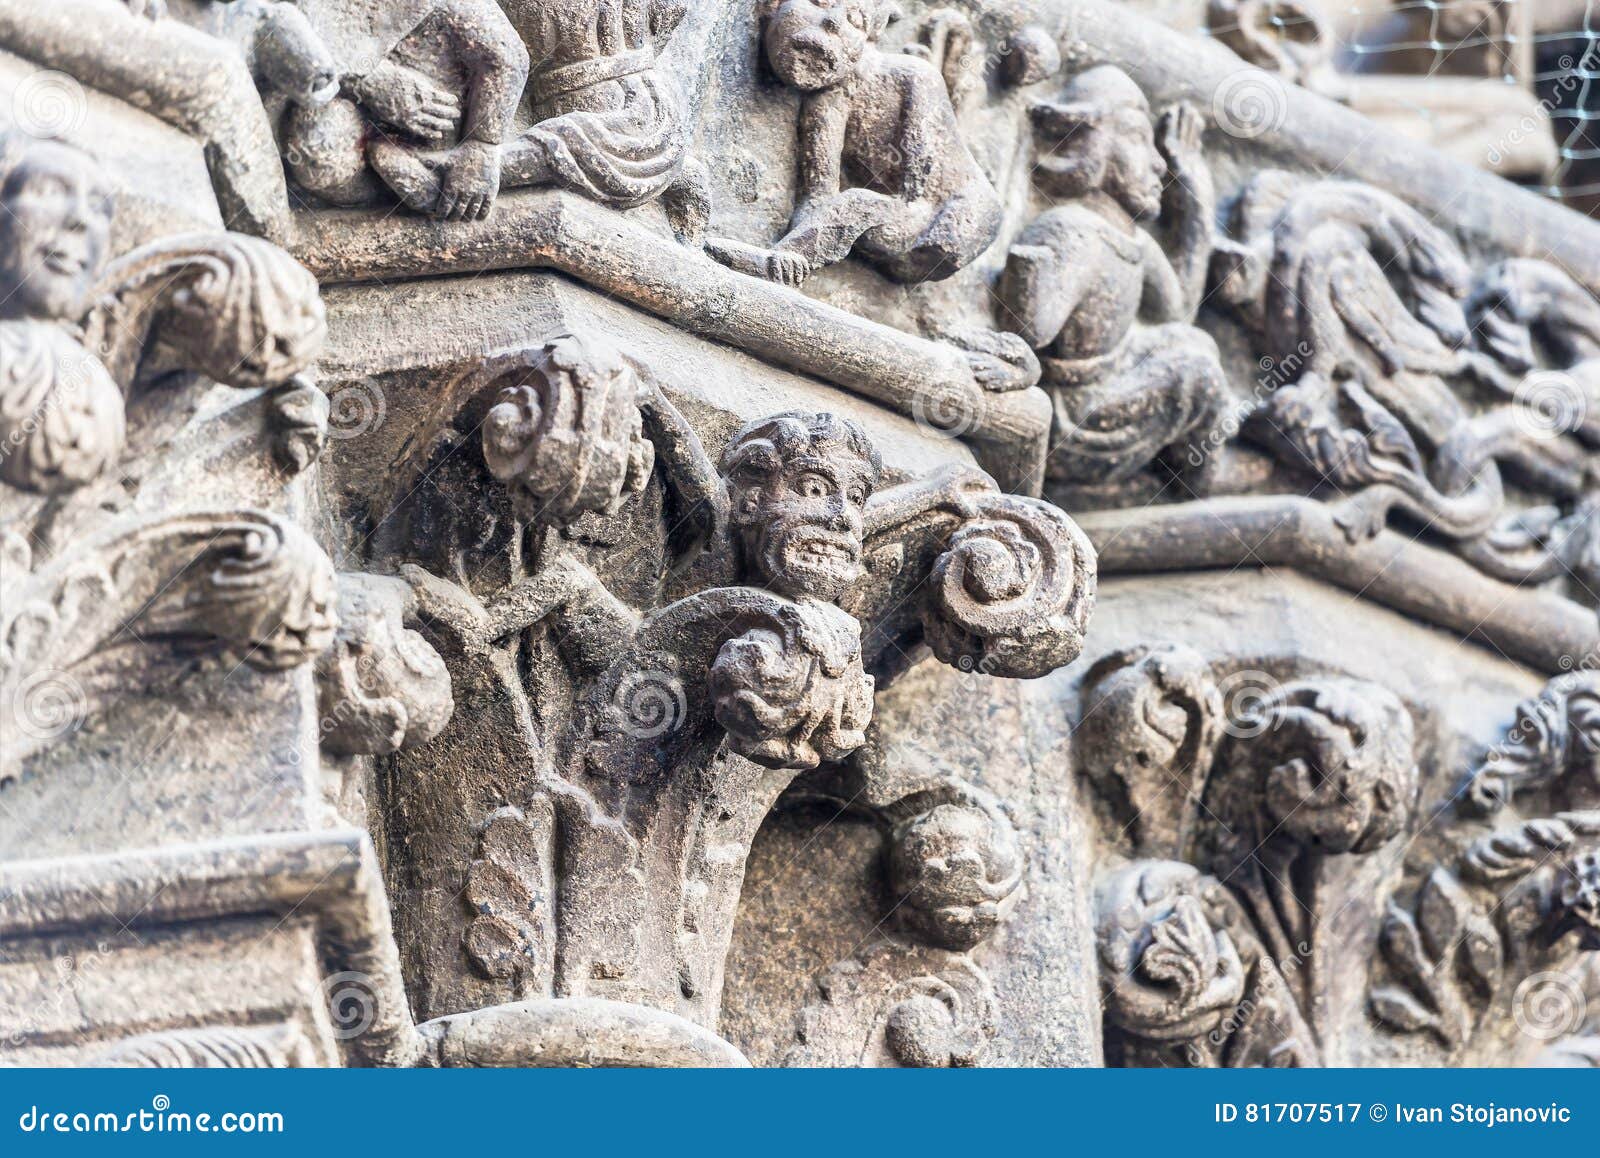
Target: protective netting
(1513,81)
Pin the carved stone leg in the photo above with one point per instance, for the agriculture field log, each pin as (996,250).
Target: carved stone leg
(1161,401)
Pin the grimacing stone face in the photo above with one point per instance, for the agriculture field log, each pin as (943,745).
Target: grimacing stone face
(55,219)
(803,534)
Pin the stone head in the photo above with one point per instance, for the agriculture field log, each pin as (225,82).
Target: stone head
(816,44)
(55,224)
(1099,136)
(798,486)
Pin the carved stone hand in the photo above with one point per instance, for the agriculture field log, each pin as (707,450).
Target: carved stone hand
(405,99)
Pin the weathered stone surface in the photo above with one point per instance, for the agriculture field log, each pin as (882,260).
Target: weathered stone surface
(788,532)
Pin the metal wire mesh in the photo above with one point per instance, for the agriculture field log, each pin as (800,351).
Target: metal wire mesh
(1546,50)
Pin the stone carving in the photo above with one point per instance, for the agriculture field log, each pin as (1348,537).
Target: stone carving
(245,582)
(868,1012)
(1153,708)
(1552,748)
(606,121)
(1081,276)
(381,687)
(958,867)
(883,170)
(1281,36)
(1517,904)
(73,328)
(701,687)
(1186,980)
(420,101)
(568,437)
(1269,788)
(613,697)
(1520,904)
(1011,594)
(281,1046)
(1363,305)
(511,888)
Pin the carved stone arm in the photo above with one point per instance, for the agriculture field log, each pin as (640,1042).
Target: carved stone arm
(1039,291)
(950,490)
(688,471)
(1190,205)
(599,621)
(498,60)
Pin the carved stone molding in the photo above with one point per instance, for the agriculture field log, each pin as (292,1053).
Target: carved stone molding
(807,532)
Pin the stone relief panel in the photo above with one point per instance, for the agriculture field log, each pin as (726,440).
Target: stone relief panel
(754,404)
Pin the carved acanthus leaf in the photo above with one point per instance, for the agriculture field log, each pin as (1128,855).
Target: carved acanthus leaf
(234,308)
(246,581)
(1012,593)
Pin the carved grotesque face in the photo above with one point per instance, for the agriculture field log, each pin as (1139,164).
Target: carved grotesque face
(799,485)
(55,220)
(816,44)
(1100,137)
(955,866)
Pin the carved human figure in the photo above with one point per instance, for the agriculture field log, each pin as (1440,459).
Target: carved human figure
(61,415)
(1082,277)
(427,93)
(288,59)
(73,327)
(607,121)
(883,170)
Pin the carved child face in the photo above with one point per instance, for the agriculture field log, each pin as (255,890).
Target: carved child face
(799,486)
(55,221)
(816,44)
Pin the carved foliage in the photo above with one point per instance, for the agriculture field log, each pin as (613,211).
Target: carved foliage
(1554,745)
(1447,959)
(893,1006)
(564,434)
(61,415)
(1011,595)
(791,697)
(511,888)
(244,581)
